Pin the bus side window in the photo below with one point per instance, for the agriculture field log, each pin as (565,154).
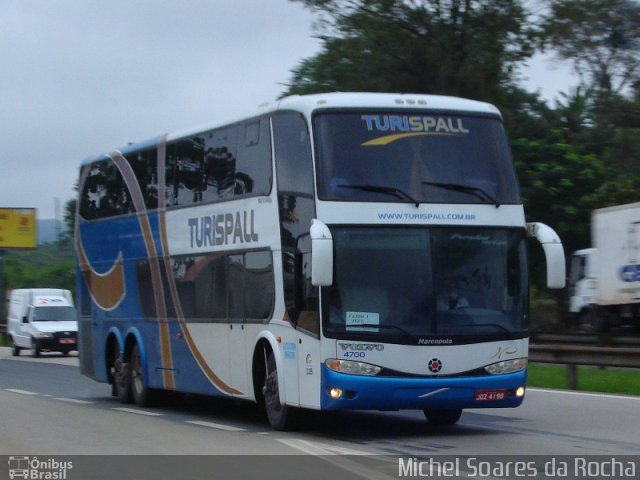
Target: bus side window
(235,286)
(144,165)
(259,286)
(184,171)
(104,193)
(253,170)
(220,164)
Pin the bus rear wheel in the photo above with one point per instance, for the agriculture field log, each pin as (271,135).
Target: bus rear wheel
(277,414)
(142,394)
(120,373)
(443,417)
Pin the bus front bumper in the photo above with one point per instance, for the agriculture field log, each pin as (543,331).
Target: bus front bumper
(358,392)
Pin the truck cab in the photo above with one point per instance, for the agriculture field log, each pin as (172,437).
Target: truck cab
(582,282)
(42,320)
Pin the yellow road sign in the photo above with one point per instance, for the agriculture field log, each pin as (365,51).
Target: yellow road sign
(17,228)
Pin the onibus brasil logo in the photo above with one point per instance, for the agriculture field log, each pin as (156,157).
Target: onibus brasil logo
(32,468)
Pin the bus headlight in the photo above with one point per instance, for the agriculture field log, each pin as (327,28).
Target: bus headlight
(45,335)
(353,368)
(507,366)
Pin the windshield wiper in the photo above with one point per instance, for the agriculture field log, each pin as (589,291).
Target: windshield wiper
(458,187)
(388,327)
(396,192)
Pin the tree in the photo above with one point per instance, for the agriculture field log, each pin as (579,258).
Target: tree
(70,216)
(600,37)
(562,184)
(469,48)
(574,110)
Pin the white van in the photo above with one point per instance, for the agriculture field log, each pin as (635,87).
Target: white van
(42,319)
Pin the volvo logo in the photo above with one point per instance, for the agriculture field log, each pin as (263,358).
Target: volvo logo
(362,347)
(435,365)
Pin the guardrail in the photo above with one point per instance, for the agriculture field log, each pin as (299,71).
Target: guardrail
(573,355)
(605,339)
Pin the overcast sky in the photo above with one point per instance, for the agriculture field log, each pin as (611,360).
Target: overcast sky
(80,77)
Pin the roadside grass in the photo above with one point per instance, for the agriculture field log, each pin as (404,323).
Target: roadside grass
(3,341)
(590,379)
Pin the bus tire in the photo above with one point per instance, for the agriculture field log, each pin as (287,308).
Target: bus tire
(442,418)
(142,394)
(119,372)
(278,415)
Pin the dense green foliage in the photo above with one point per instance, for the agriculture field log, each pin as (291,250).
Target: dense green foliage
(49,266)
(460,48)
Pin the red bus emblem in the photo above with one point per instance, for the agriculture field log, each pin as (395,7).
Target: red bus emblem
(435,365)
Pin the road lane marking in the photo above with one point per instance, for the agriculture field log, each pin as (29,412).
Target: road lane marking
(73,400)
(138,412)
(317,448)
(218,426)
(584,394)
(339,457)
(21,392)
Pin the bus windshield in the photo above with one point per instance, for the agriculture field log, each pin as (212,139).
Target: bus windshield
(418,285)
(413,157)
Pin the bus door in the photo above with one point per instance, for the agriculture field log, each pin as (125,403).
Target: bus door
(308,329)
(237,310)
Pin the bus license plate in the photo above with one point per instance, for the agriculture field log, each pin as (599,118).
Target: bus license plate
(490,395)
(67,340)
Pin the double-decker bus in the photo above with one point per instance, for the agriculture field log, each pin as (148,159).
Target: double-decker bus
(337,251)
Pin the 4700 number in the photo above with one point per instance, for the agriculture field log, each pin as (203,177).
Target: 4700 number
(354,354)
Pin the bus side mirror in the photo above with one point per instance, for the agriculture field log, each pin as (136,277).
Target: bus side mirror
(25,319)
(321,254)
(553,252)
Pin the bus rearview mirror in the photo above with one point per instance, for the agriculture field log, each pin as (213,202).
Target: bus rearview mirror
(321,254)
(553,252)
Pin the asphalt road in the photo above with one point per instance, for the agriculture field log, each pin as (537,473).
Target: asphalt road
(49,408)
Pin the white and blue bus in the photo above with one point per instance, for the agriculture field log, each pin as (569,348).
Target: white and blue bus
(331,252)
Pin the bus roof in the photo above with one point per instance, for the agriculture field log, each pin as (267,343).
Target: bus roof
(307,104)
(404,101)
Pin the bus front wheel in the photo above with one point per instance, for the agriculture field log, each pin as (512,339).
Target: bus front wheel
(443,417)
(277,414)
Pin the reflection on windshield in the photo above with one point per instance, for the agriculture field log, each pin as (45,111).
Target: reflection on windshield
(448,158)
(54,314)
(418,283)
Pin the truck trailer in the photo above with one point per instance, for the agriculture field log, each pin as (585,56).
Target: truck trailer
(604,282)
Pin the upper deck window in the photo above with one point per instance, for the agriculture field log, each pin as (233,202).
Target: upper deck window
(219,164)
(416,156)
